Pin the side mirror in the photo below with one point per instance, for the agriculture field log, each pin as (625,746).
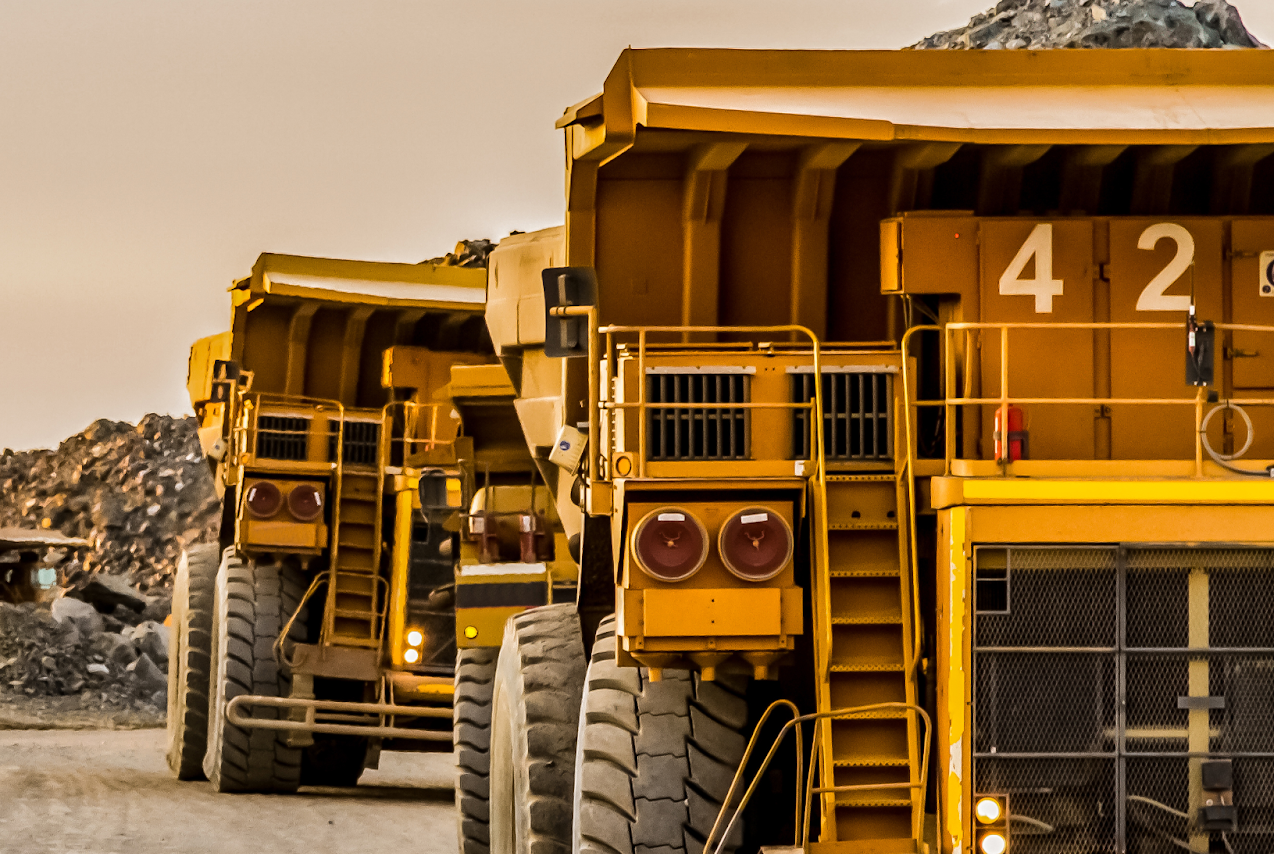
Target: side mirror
(567,287)
(433,490)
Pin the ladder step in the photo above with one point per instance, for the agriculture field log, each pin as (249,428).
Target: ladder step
(852,800)
(867,666)
(354,561)
(874,715)
(861,478)
(867,572)
(862,526)
(868,620)
(872,762)
(356,614)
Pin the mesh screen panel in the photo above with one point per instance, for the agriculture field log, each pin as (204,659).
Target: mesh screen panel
(282,438)
(697,434)
(857,415)
(359,445)
(1112,674)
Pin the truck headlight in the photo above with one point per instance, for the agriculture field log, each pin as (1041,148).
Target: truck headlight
(755,544)
(670,544)
(305,502)
(263,499)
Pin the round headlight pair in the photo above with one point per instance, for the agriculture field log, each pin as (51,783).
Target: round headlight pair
(671,544)
(264,498)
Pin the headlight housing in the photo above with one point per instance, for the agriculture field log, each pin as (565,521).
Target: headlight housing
(263,499)
(670,544)
(755,544)
(305,502)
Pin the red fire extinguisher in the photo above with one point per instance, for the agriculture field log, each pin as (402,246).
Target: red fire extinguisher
(1018,437)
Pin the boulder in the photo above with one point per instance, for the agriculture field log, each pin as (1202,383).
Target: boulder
(148,676)
(83,616)
(107,592)
(1043,24)
(151,639)
(114,648)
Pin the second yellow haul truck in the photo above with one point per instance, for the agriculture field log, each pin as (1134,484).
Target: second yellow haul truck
(320,630)
(927,393)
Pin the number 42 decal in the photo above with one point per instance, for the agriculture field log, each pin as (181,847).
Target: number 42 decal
(1039,246)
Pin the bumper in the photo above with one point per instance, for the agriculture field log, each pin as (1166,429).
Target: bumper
(339,718)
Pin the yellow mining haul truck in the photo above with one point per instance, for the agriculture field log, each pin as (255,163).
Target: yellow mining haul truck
(926,397)
(321,630)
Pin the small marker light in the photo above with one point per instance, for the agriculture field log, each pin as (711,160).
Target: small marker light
(993,843)
(414,637)
(987,810)
(471,632)
(411,656)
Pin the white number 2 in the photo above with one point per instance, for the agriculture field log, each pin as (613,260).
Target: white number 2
(1043,287)
(1153,297)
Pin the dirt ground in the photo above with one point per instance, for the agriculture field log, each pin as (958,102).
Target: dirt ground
(109,792)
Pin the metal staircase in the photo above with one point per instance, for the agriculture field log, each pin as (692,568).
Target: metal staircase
(356,607)
(866,654)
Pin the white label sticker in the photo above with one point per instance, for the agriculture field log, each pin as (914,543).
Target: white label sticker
(753,518)
(672,517)
(477,525)
(526,523)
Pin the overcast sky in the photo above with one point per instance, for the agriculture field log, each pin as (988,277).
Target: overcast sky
(149,151)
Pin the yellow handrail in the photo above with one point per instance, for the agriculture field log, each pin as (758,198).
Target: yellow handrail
(950,401)
(607,407)
(803,801)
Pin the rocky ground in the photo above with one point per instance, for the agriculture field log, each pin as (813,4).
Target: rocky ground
(1037,24)
(95,653)
(140,493)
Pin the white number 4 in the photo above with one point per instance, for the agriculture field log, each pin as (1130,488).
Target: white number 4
(1043,287)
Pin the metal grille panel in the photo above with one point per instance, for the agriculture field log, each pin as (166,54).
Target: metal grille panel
(857,415)
(1086,673)
(282,438)
(675,433)
(361,444)
(1057,806)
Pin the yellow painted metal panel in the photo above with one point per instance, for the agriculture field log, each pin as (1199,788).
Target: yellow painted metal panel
(1117,491)
(707,612)
(1128,96)
(956,677)
(297,535)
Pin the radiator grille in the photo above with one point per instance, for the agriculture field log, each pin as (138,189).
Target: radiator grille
(362,441)
(282,438)
(1078,668)
(675,433)
(857,416)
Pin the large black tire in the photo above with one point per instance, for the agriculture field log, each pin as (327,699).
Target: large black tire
(254,602)
(334,761)
(539,680)
(190,659)
(471,736)
(655,759)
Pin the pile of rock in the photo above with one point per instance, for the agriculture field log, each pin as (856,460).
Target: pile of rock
(1038,24)
(71,648)
(139,494)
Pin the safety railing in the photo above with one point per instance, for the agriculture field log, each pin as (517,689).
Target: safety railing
(610,410)
(951,403)
(805,788)
(409,428)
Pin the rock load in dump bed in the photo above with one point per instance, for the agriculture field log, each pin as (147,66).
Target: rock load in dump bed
(139,493)
(1040,24)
